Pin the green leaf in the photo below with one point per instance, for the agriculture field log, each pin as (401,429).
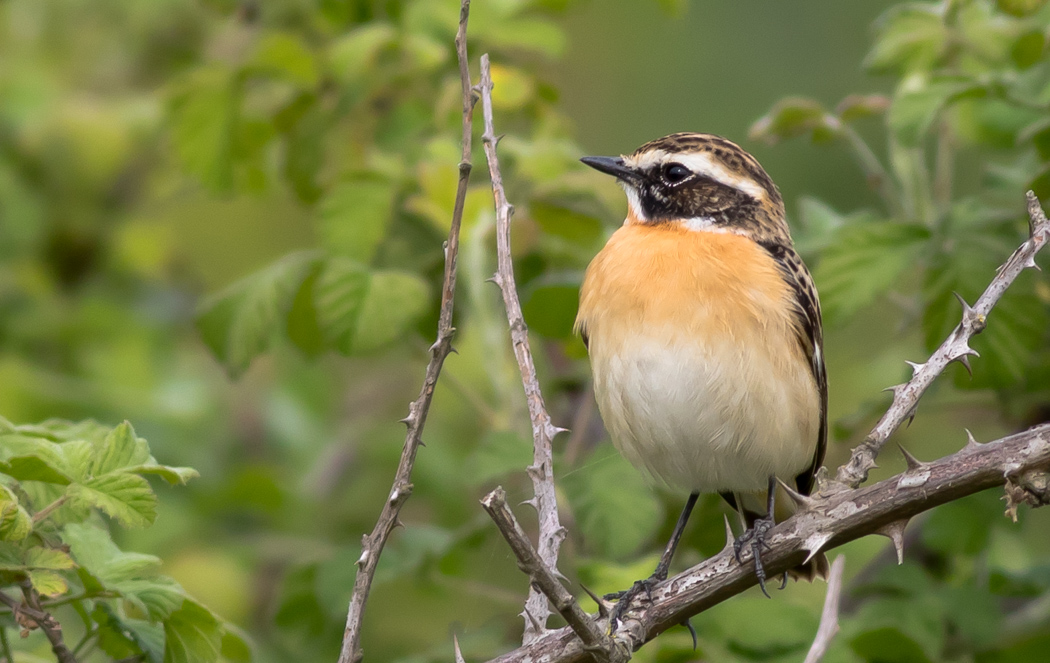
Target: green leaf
(173,475)
(795,116)
(285,55)
(128,566)
(353,55)
(615,509)
(48,583)
(119,450)
(354,217)
(863,262)
(240,322)
(203,119)
(340,294)
(909,37)
(34,468)
(902,630)
(192,635)
(819,223)
(158,598)
(48,559)
(857,106)
(917,103)
(236,646)
(562,221)
(1028,49)
(15,521)
(114,637)
(550,305)
(394,301)
(127,498)
(1020,8)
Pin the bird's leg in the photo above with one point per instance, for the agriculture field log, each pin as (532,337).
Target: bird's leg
(625,597)
(755,536)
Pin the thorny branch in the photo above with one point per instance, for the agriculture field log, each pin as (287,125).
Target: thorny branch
(551,532)
(593,637)
(829,617)
(955,348)
(844,512)
(30,615)
(827,521)
(372,544)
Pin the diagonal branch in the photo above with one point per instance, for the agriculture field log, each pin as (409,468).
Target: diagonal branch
(594,639)
(955,348)
(551,532)
(372,544)
(829,521)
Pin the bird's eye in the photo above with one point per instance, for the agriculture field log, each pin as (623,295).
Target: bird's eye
(675,173)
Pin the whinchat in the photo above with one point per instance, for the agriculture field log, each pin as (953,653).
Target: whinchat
(704,334)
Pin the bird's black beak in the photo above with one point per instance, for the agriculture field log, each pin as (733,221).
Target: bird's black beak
(612,166)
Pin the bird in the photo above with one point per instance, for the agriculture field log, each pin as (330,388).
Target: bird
(703,329)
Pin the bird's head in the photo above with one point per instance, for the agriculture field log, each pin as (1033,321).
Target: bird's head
(701,181)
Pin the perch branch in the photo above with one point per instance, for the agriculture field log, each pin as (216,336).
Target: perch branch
(593,638)
(829,617)
(955,348)
(830,520)
(28,614)
(372,544)
(551,532)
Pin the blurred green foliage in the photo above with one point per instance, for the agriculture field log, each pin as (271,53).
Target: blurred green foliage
(223,220)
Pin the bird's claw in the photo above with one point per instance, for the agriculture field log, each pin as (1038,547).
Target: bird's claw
(623,598)
(755,539)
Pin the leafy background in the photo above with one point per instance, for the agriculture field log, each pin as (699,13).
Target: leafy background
(223,220)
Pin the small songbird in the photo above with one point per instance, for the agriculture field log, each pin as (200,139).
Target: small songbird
(704,334)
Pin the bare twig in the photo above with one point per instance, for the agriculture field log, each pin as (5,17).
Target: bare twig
(372,544)
(551,532)
(829,521)
(955,348)
(829,617)
(29,613)
(594,639)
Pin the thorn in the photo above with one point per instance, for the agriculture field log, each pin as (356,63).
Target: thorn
(692,631)
(913,462)
(398,523)
(971,443)
(557,430)
(459,653)
(966,308)
(406,420)
(813,544)
(915,368)
(895,533)
(730,539)
(802,502)
(896,389)
(532,620)
(531,502)
(603,605)
(452,350)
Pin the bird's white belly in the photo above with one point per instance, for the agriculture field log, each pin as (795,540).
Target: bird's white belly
(710,416)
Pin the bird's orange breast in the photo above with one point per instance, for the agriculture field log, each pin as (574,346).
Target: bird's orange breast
(698,369)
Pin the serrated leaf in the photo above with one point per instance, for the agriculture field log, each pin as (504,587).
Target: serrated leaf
(173,475)
(340,294)
(914,109)
(129,566)
(91,546)
(48,583)
(354,217)
(114,637)
(127,498)
(863,262)
(285,55)
(119,450)
(203,119)
(15,521)
(157,598)
(35,459)
(240,322)
(48,559)
(615,510)
(192,635)
(34,468)
(393,302)
(909,37)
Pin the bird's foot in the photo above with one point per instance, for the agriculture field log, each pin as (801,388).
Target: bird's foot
(623,599)
(755,538)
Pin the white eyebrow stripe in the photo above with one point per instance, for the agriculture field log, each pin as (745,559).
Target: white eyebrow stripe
(700,163)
